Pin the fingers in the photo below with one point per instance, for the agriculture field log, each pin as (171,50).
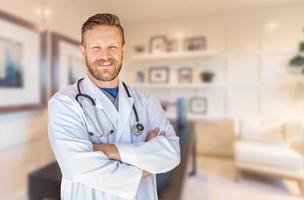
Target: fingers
(155,130)
(153,133)
(162,133)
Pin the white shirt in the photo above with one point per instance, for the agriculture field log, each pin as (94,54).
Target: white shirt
(91,175)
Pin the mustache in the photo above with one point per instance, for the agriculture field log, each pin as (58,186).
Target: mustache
(101,61)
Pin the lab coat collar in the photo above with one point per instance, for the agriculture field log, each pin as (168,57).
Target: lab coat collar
(125,107)
(118,119)
(102,101)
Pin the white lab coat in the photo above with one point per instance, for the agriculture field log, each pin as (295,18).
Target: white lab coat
(89,175)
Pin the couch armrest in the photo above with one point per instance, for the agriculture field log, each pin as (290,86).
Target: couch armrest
(298,146)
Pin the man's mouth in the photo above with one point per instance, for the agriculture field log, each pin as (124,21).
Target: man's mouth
(108,64)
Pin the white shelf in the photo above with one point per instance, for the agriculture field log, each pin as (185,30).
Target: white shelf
(173,55)
(177,85)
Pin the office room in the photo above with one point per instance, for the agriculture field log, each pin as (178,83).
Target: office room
(224,81)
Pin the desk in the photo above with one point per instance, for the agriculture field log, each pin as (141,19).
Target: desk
(45,182)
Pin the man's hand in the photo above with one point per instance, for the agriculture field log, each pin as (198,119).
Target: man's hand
(153,133)
(109,150)
(112,153)
(146,174)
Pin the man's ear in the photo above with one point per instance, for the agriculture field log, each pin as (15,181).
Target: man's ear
(82,50)
(123,48)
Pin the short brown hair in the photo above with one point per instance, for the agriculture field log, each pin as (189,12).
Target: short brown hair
(102,19)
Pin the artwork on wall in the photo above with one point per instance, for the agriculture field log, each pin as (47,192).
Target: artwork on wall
(158,44)
(11,71)
(198,105)
(159,74)
(67,63)
(171,46)
(195,44)
(185,75)
(23,72)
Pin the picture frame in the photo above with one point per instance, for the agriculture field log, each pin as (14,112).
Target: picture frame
(198,105)
(159,74)
(66,61)
(158,44)
(171,46)
(195,43)
(185,75)
(23,69)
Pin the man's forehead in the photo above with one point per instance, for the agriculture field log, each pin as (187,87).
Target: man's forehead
(104,31)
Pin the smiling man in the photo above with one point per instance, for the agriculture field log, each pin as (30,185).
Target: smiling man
(110,140)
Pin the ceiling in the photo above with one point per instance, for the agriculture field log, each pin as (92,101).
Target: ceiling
(142,10)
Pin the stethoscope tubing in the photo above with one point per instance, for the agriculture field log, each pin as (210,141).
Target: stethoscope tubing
(139,126)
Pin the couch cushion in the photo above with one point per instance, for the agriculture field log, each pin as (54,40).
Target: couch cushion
(280,156)
(267,131)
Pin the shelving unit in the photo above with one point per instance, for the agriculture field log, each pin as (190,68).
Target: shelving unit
(178,85)
(173,61)
(174,55)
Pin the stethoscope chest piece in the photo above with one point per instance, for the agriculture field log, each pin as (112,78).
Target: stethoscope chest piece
(138,128)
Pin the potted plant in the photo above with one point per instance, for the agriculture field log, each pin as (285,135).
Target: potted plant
(207,76)
(139,49)
(298,60)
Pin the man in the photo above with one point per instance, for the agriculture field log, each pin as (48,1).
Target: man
(95,126)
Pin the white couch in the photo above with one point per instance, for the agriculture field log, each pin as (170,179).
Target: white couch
(271,148)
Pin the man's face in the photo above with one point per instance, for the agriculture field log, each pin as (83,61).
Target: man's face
(103,51)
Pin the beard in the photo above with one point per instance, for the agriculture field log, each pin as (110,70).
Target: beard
(102,73)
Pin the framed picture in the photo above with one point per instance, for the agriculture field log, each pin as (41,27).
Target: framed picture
(198,105)
(159,75)
(67,63)
(185,75)
(195,44)
(171,46)
(23,70)
(158,44)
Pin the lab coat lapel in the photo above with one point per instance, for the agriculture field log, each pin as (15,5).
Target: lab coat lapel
(125,108)
(102,101)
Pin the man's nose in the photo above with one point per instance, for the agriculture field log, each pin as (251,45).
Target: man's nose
(104,54)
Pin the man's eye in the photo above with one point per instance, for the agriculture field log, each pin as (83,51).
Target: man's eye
(95,48)
(113,47)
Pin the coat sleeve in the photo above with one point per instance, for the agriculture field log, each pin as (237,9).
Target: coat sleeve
(159,155)
(76,158)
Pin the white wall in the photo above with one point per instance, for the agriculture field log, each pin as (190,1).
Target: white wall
(24,144)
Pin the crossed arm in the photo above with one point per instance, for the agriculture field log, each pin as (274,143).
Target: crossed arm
(111,151)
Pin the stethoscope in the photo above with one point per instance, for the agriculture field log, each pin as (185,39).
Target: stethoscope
(137,128)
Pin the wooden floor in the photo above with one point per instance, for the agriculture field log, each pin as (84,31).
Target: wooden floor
(215,181)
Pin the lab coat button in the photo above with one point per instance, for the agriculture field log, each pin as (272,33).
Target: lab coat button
(91,134)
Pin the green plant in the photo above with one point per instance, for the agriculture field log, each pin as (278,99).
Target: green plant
(298,60)
(139,49)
